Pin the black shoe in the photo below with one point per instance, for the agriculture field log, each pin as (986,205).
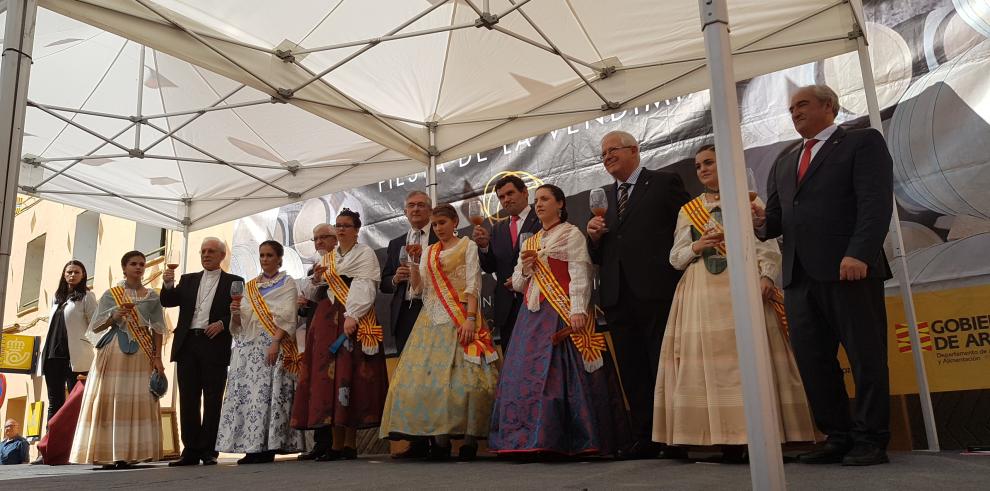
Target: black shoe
(312,454)
(121,465)
(438,453)
(638,451)
(418,449)
(864,454)
(831,453)
(467,453)
(348,453)
(735,454)
(38,461)
(251,458)
(266,457)
(329,456)
(184,461)
(209,460)
(671,452)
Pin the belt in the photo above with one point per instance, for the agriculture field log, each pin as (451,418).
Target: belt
(197,332)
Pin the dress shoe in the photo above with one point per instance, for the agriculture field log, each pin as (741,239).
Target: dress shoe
(671,452)
(209,460)
(38,461)
(184,461)
(467,453)
(831,453)
(266,457)
(348,453)
(865,455)
(438,453)
(418,449)
(329,456)
(312,454)
(638,451)
(251,458)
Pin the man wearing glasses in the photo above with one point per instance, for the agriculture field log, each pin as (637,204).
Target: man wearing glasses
(14,449)
(631,246)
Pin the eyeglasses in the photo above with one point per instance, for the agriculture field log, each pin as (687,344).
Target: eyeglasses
(324,236)
(343,225)
(417,205)
(611,150)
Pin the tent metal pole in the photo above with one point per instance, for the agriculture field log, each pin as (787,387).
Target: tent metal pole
(759,392)
(431,170)
(904,274)
(140,98)
(88,155)
(18,46)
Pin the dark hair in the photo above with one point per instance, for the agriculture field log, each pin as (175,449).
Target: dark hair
(446,210)
(127,258)
(704,148)
(353,215)
(558,194)
(510,179)
(78,292)
(274,244)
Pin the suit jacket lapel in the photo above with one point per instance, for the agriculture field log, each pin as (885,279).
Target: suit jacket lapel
(223,285)
(532,223)
(612,213)
(822,154)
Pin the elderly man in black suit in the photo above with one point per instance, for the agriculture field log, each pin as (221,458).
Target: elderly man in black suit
(831,199)
(499,250)
(631,245)
(201,349)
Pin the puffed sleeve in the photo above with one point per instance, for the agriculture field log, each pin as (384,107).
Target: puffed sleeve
(520,280)
(364,286)
(284,309)
(89,306)
(579,268)
(155,314)
(681,255)
(472,273)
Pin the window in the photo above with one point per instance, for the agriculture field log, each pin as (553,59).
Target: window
(84,243)
(150,240)
(34,259)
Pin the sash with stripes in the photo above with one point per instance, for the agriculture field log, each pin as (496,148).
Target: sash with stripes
(369,332)
(291,359)
(142,336)
(588,342)
(482,346)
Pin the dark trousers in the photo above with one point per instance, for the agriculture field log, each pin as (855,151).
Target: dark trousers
(405,322)
(323,437)
(637,327)
(59,380)
(822,315)
(505,330)
(201,384)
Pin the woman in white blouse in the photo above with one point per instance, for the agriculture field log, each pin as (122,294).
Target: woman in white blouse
(698,396)
(559,393)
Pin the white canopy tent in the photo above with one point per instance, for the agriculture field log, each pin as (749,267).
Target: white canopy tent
(428,80)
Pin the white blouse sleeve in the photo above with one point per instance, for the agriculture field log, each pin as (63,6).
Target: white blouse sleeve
(681,255)
(519,280)
(472,271)
(768,258)
(361,298)
(579,268)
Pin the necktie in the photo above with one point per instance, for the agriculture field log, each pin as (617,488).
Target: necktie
(805,159)
(514,230)
(623,198)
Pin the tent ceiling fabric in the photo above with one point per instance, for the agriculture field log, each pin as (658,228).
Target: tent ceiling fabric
(388,70)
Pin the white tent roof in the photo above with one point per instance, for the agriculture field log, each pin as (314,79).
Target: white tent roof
(477,73)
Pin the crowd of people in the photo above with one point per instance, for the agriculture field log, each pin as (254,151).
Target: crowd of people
(669,380)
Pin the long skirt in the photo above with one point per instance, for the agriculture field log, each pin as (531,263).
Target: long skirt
(119,420)
(548,402)
(698,397)
(344,389)
(255,413)
(435,391)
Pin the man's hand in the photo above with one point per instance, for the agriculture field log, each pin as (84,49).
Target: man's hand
(852,269)
(596,228)
(508,284)
(302,301)
(759,215)
(350,326)
(213,329)
(168,276)
(318,270)
(481,237)
(401,274)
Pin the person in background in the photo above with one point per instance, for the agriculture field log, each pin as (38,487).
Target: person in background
(14,449)
(698,398)
(631,246)
(201,349)
(120,420)
(499,250)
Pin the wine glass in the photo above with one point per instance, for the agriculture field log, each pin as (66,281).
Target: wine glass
(403,256)
(172,259)
(751,184)
(598,202)
(236,290)
(523,237)
(413,250)
(475,214)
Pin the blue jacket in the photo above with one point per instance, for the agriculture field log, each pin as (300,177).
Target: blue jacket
(14,451)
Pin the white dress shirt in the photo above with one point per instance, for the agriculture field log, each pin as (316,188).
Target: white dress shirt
(631,181)
(204,298)
(822,137)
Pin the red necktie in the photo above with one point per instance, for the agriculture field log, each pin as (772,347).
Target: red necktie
(514,230)
(805,159)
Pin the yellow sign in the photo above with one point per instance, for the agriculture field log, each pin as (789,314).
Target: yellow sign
(36,417)
(17,353)
(955,335)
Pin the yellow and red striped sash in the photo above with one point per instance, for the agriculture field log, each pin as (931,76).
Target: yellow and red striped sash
(142,336)
(699,216)
(482,347)
(369,332)
(588,342)
(291,359)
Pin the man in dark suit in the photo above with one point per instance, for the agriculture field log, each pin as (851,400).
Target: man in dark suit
(201,349)
(831,200)
(499,250)
(395,276)
(631,245)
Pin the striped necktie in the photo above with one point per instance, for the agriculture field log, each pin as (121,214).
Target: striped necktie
(623,198)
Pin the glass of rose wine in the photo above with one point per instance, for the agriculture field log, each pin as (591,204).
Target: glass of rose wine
(172,259)
(475,214)
(598,202)
(236,290)
(413,251)
(751,184)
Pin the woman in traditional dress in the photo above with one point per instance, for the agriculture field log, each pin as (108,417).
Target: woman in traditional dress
(120,422)
(444,384)
(559,393)
(698,398)
(264,364)
(358,382)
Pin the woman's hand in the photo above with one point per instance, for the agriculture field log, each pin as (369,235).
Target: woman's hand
(157,365)
(301,301)
(578,321)
(235,307)
(465,332)
(528,259)
(350,327)
(767,288)
(272,356)
(712,238)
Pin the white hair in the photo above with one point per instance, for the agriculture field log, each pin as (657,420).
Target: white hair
(625,137)
(223,246)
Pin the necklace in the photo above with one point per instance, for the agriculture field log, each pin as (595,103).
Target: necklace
(265,282)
